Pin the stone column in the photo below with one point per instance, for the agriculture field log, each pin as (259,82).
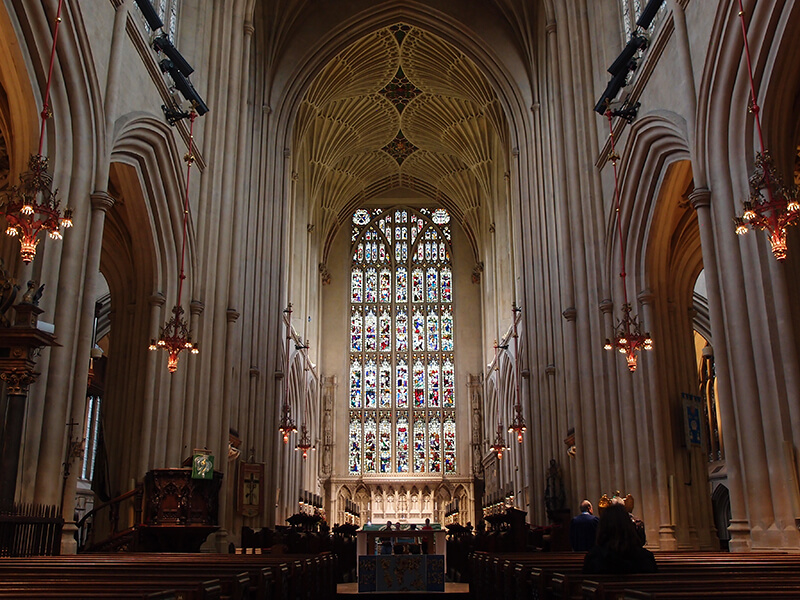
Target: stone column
(23,341)
(17,381)
(739,528)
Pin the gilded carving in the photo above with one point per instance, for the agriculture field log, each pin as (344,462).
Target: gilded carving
(17,380)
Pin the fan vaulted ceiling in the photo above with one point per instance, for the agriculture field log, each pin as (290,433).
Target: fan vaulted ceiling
(399,108)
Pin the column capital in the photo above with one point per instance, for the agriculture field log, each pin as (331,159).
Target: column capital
(700,198)
(232,315)
(157,299)
(102,201)
(606,306)
(646,297)
(196,307)
(570,313)
(18,379)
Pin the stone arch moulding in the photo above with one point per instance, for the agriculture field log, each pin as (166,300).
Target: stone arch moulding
(147,144)
(656,141)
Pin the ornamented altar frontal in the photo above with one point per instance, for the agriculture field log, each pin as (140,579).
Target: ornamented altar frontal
(401,573)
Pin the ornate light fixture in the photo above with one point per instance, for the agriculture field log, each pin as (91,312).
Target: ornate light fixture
(304,444)
(175,336)
(518,422)
(499,444)
(286,425)
(780,208)
(628,336)
(32,206)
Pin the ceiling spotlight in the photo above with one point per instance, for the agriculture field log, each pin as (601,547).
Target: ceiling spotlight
(649,13)
(625,61)
(150,14)
(184,86)
(161,43)
(614,86)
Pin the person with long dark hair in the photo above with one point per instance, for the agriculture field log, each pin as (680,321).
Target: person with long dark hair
(618,548)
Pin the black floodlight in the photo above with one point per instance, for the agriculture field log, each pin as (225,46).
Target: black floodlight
(184,86)
(623,61)
(649,13)
(614,86)
(150,14)
(161,43)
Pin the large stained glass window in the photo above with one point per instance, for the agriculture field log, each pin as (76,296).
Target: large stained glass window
(402,378)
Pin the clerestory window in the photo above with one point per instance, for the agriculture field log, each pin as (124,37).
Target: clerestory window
(402,376)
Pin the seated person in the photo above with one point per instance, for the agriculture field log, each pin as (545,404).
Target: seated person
(618,548)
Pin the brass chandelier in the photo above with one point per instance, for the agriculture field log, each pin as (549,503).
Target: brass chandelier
(175,336)
(628,336)
(33,207)
(286,425)
(772,205)
(304,443)
(518,426)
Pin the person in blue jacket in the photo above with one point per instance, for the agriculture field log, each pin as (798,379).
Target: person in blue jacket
(583,529)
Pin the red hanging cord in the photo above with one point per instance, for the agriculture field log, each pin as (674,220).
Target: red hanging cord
(189,161)
(614,158)
(46,106)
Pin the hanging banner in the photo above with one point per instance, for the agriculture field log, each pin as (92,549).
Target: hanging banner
(693,419)
(202,465)
(249,489)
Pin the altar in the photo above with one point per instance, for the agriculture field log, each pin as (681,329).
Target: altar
(399,560)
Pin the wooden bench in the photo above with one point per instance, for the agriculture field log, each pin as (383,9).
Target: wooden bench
(240,576)
(559,575)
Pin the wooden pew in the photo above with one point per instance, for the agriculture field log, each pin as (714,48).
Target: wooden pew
(282,577)
(559,575)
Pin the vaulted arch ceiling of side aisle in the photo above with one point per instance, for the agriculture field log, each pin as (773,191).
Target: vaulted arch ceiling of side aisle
(400,108)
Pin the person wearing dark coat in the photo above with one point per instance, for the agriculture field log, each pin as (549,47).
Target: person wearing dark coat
(583,529)
(618,547)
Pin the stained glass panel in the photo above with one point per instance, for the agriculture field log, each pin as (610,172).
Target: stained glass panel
(370,433)
(417,286)
(355,444)
(385,444)
(433,332)
(402,443)
(402,384)
(449,444)
(386,286)
(435,445)
(356,332)
(431,284)
(419,384)
(447,330)
(446,278)
(371,286)
(433,384)
(418,334)
(402,331)
(448,384)
(385,385)
(370,333)
(370,384)
(401,290)
(355,384)
(419,443)
(385,331)
(356,285)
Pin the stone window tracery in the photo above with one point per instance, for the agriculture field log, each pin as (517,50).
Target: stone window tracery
(402,377)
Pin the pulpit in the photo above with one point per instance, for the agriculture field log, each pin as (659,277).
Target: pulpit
(179,512)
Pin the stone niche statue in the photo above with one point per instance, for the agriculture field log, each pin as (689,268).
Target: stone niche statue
(554,495)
